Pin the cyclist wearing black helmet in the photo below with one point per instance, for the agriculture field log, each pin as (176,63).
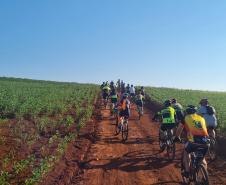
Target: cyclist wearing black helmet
(197,136)
(168,121)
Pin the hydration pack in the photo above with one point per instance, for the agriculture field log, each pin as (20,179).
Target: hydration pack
(210,110)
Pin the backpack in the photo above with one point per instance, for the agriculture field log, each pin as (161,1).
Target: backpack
(210,110)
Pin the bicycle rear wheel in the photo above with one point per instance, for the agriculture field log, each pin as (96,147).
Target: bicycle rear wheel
(125,131)
(212,151)
(171,150)
(202,177)
(117,128)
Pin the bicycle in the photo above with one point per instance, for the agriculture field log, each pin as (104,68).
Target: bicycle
(168,144)
(115,114)
(122,127)
(105,102)
(197,171)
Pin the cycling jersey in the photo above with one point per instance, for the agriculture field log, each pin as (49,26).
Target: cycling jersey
(168,115)
(139,100)
(125,108)
(114,96)
(132,90)
(196,128)
(125,104)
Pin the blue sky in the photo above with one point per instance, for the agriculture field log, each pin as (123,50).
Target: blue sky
(150,42)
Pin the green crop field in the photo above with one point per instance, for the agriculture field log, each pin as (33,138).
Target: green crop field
(37,121)
(188,97)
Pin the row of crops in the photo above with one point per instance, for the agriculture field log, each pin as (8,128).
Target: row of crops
(192,97)
(37,121)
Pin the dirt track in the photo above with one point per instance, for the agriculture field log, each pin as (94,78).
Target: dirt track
(138,161)
(135,162)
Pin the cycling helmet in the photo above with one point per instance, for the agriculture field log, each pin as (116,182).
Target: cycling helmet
(191,109)
(167,103)
(204,101)
(125,95)
(174,100)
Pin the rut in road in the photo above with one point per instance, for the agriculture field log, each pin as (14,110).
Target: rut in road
(137,161)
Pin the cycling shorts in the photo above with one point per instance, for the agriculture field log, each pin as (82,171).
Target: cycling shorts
(105,95)
(211,127)
(165,127)
(192,147)
(124,113)
(139,103)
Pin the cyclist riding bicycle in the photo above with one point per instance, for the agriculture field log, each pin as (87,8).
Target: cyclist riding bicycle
(125,107)
(197,136)
(106,91)
(112,85)
(123,87)
(118,85)
(128,89)
(168,122)
(140,103)
(102,85)
(209,114)
(179,110)
(142,91)
(114,99)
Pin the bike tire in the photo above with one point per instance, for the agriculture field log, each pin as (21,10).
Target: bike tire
(212,151)
(205,180)
(125,131)
(117,129)
(171,151)
(185,181)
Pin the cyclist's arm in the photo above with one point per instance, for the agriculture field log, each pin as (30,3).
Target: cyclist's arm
(156,116)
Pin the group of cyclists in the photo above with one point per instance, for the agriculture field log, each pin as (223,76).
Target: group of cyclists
(121,96)
(197,124)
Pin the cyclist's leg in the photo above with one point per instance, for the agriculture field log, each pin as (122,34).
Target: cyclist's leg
(187,157)
(204,151)
(142,109)
(162,141)
(127,115)
(161,132)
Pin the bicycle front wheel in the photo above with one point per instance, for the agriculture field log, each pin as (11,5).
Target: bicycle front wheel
(202,177)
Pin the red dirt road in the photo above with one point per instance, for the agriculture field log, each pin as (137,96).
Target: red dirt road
(135,162)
